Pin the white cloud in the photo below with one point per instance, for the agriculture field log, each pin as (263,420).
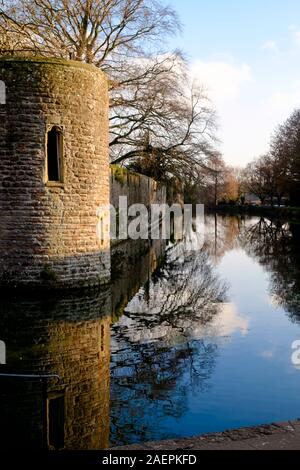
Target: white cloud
(250,103)
(270,45)
(252,95)
(282,103)
(223,80)
(229,320)
(297,37)
(226,84)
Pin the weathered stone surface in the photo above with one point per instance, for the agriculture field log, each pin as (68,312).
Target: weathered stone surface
(48,233)
(139,189)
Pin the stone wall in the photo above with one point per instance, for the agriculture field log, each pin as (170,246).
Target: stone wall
(133,263)
(48,231)
(139,189)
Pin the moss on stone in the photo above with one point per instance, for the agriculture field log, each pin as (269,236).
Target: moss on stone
(50,61)
(49,275)
(120,174)
(42,92)
(119,310)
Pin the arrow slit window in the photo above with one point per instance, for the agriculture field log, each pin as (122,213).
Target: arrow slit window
(54,149)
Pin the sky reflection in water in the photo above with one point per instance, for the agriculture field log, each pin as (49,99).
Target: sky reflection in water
(206,344)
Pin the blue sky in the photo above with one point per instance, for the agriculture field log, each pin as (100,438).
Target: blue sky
(247,55)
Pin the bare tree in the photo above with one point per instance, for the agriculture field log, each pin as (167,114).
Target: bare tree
(285,151)
(168,126)
(88,30)
(259,178)
(160,122)
(277,174)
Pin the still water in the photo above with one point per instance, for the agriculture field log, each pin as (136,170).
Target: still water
(206,345)
(182,342)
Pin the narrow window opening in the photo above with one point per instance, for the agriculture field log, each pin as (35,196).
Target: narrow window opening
(56,422)
(102,338)
(54,154)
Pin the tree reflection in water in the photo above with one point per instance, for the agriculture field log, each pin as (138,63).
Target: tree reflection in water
(159,349)
(164,347)
(275,245)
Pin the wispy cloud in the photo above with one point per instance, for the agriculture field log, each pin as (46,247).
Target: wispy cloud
(283,102)
(294,33)
(223,80)
(270,45)
(252,99)
(297,37)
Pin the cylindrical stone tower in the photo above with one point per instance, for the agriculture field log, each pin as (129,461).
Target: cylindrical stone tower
(54,174)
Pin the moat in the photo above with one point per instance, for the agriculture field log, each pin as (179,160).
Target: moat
(183,342)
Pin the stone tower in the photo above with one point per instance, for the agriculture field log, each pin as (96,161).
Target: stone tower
(54,174)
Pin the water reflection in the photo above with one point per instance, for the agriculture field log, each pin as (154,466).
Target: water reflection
(182,342)
(160,346)
(68,337)
(222,235)
(55,359)
(176,331)
(275,245)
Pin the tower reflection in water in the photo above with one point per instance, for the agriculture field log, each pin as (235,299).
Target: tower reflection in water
(169,329)
(55,358)
(66,337)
